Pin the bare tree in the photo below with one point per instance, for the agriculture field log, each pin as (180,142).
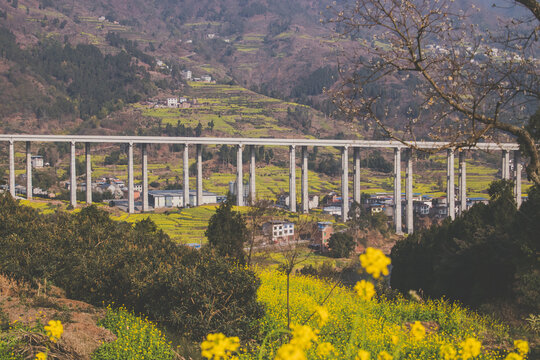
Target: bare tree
(456,82)
(259,212)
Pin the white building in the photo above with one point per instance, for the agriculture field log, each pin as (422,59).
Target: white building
(175,198)
(172,102)
(187,74)
(206,78)
(278,230)
(37,161)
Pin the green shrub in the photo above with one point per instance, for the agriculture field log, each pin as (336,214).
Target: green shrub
(485,255)
(96,259)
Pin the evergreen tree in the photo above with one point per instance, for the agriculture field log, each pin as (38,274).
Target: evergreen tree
(227,232)
(341,245)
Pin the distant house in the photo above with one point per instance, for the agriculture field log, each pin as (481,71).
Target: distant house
(332,210)
(37,161)
(172,102)
(323,234)
(278,230)
(206,78)
(376,208)
(187,74)
(422,207)
(476,200)
(101,18)
(175,198)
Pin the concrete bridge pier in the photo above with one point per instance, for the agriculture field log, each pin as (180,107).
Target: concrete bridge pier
(462,182)
(344,183)
(186,175)
(518,168)
(450,196)
(505,171)
(73,176)
(131,195)
(409,192)
(28,170)
(88,159)
(252,188)
(305,191)
(144,170)
(199,176)
(397,190)
(12,168)
(356,178)
(292,178)
(239,177)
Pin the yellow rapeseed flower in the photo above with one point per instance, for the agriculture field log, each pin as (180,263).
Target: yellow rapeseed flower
(375,262)
(324,349)
(448,352)
(218,346)
(41,356)
(302,336)
(365,290)
(54,330)
(323,315)
(290,352)
(521,346)
(418,332)
(384,355)
(513,356)
(362,355)
(470,348)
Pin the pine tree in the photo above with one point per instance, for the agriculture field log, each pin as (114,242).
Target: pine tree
(227,232)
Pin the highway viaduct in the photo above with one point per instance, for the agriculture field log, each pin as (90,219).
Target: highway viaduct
(292,144)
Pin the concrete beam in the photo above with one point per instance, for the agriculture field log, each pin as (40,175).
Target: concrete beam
(397,191)
(292,178)
(247,141)
(505,171)
(199,176)
(88,158)
(409,192)
(305,191)
(28,170)
(144,170)
(344,183)
(518,168)
(450,183)
(186,175)
(239,177)
(252,166)
(12,168)
(131,185)
(462,182)
(356,180)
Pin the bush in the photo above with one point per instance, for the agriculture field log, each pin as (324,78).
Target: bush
(341,245)
(96,259)
(486,255)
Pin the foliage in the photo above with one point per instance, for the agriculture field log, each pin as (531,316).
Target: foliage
(95,83)
(354,324)
(227,232)
(96,259)
(316,82)
(137,338)
(485,255)
(341,244)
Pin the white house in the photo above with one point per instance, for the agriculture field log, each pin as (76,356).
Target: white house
(187,74)
(37,161)
(175,198)
(279,230)
(172,102)
(206,78)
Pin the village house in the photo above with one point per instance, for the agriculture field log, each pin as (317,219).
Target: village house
(279,230)
(37,161)
(172,102)
(175,198)
(323,234)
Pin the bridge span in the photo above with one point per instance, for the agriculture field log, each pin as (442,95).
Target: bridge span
(292,144)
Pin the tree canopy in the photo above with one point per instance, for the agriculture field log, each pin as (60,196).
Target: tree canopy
(457,81)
